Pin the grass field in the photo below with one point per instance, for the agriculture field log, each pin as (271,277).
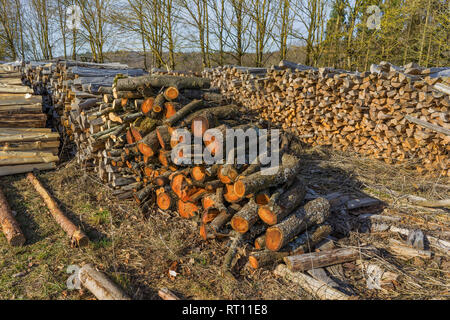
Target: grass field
(136,251)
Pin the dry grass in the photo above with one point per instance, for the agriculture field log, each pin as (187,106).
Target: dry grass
(136,251)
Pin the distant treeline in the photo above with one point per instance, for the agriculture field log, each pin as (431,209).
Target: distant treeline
(347,34)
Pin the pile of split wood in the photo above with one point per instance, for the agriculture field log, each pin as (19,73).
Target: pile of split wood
(25,142)
(73,89)
(391,113)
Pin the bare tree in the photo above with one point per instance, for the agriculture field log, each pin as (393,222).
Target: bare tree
(8,34)
(42,13)
(196,15)
(311,14)
(237,28)
(218,27)
(94,20)
(284,24)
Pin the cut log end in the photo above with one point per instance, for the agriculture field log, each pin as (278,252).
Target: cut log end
(267,215)
(171,93)
(239,224)
(187,209)
(147,105)
(274,238)
(145,149)
(198,173)
(239,189)
(163,201)
(253,262)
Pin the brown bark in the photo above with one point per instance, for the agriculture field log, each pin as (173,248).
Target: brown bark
(183,112)
(149,145)
(159,81)
(304,243)
(163,137)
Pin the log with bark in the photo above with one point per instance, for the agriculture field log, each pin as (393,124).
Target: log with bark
(75,234)
(99,284)
(314,212)
(10,227)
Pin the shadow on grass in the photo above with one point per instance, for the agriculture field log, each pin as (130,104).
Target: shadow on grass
(24,216)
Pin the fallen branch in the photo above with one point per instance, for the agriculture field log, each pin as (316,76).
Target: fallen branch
(76,235)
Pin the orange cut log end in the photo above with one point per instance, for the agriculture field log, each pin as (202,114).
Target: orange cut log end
(239,189)
(253,262)
(230,196)
(273,239)
(239,224)
(187,209)
(198,173)
(171,93)
(147,105)
(145,150)
(170,110)
(163,201)
(267,215)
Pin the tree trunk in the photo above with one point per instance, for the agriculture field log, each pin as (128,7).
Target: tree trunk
(159,81)
(245,218)
(315,287)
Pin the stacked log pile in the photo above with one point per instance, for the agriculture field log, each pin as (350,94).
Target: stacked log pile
(128,137)
(396,114)
(75,91)
(25,142)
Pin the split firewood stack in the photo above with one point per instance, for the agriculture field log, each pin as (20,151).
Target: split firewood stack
(76,90)
(397,114)
(25,142)
(37,75)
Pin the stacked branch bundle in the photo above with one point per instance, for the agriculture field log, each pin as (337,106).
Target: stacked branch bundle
(248,202)
(25,142)
(392,113)
(127,137)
